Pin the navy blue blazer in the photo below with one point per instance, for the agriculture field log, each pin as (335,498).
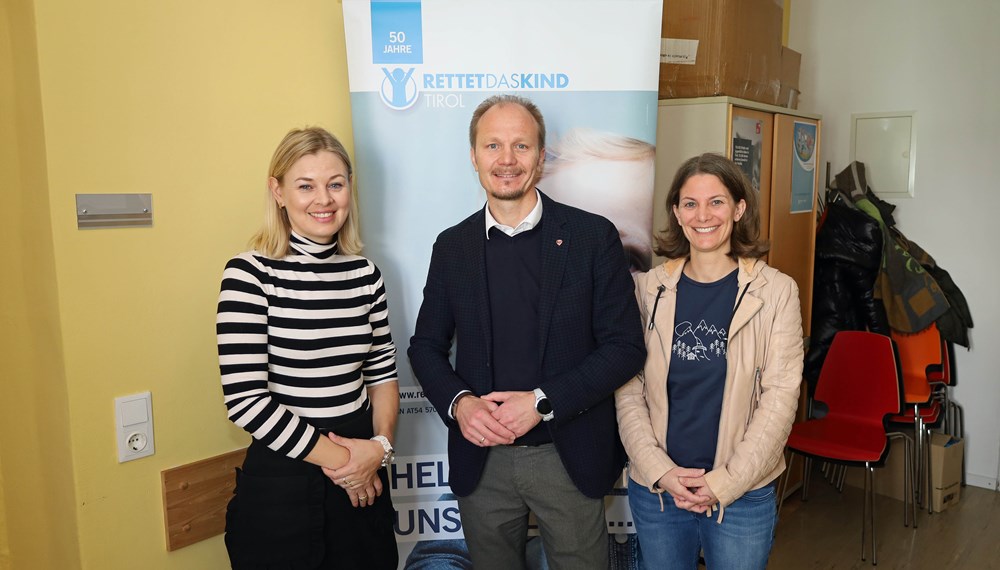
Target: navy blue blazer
(590,336)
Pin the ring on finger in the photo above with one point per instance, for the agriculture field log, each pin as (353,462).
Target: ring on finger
(482,439)
(362,498)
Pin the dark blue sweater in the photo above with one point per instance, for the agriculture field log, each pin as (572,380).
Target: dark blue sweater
(513,275)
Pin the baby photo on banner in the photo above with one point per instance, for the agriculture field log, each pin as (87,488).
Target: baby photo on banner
(417,70)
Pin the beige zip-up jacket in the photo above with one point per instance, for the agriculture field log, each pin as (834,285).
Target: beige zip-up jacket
(764,371)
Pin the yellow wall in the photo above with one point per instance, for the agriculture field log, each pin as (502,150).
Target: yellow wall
(184,100)
(37,506)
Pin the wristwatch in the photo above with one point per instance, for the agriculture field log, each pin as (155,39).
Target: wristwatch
(389,454)
(542,405)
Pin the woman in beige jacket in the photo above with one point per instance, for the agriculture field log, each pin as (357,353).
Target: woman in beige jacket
(706,420)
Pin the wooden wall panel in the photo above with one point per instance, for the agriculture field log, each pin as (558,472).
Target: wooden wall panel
(195,498)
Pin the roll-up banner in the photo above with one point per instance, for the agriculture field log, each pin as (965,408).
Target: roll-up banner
(417,71)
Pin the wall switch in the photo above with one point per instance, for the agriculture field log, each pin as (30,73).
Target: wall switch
(134,426)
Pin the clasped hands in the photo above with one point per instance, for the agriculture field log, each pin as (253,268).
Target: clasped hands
(359,476)
(496,418)
(689,489)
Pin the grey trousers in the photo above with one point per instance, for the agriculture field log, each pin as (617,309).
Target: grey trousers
(517,480)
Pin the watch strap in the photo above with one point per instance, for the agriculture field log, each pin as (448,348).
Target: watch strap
(388,451)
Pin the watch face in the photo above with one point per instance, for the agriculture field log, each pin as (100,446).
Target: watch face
(388,458)
(543,407)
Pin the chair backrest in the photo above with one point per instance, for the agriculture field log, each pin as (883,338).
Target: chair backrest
(920,355)
(861,377)
(945,373)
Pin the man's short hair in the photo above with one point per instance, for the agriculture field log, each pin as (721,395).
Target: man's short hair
(495,100)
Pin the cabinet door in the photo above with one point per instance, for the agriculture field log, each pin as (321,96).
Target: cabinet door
(793,204)
(750,146)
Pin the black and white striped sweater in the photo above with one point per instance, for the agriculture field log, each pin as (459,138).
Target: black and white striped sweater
(299,339)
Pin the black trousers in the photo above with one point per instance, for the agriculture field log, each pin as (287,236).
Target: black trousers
(287,515)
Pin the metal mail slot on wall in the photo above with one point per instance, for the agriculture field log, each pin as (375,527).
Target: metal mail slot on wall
(98,211)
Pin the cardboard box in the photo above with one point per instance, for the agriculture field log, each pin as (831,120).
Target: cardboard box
(946,470)
(791,61)
(721,47)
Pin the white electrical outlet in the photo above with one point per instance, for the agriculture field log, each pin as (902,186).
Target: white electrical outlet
(136,442)
(134,426)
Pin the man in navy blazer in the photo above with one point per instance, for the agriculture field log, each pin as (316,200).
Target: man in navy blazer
(539,301)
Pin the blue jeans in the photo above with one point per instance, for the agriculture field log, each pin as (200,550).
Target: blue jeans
(674,538)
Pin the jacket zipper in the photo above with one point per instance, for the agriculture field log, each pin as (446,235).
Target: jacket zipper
(754,397)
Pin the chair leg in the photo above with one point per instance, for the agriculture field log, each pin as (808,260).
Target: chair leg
(864,512)
(783,480)
(961,418)
(806,468)
(868,511)
(909,486)
(841,477)
(928,488)
(949,415)
(949,418)
(912,491)
(960,431)
(909,497)
(871,510)
(826,468)
(918,437)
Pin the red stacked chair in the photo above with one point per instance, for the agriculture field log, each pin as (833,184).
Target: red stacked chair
(861,384)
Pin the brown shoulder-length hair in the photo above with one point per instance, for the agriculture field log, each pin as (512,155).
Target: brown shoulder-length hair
(745,240)
(272,238)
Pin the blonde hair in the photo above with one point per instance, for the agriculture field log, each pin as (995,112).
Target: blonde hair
(582,144)
(272,238)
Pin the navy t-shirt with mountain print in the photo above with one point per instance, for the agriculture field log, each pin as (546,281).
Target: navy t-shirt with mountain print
(697,375)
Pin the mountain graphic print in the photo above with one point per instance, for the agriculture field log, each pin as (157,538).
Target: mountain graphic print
(700,343)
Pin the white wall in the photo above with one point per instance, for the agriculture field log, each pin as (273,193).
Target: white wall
(941,59)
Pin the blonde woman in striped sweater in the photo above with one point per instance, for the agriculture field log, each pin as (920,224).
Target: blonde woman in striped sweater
(308,369)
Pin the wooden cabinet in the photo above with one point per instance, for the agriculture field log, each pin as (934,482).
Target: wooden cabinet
(776,146)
